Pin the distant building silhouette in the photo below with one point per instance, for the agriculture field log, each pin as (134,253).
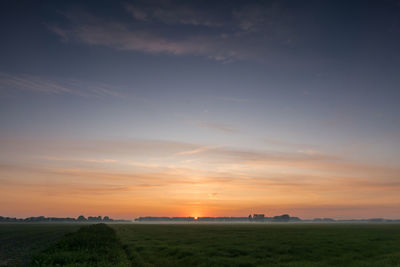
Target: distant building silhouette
(258,217)
(80,219)
(282,218)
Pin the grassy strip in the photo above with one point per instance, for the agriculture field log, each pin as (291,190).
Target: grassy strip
(19,241)
(289,245)
(94,245)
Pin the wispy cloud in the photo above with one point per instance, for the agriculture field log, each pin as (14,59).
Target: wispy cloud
(142,152)
(70,148)
(283,143)
(197,150)
(330,189)
(32,83)
(120,36)
(221,177)
(309,151)
(229,35)
(255,18)
(218,126)
(180,14)
(39,84)
(88,160)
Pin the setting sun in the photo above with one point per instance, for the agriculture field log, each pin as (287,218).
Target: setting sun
(200,133)
(211,108)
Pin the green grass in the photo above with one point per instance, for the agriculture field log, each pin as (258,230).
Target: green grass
(94,245)
(261,244)
(201,244)
(19,241)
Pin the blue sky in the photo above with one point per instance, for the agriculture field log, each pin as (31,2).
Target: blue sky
(293,80)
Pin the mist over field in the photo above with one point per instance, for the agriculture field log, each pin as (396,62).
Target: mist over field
(199,133)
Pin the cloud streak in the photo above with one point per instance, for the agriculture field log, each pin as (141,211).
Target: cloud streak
(181,14)
(38,84)
(120,36)
(167,153)
(217,126)
(197,150)
(216,176)
(230,34)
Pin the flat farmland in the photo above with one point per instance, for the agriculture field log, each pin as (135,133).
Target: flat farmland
(19,241)
(261,244)
(198,244)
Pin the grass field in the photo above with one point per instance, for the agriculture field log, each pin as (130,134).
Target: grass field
(206,244)
(93,245)
(19,241)
(262,244)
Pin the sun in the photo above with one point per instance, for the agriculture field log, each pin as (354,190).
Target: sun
(196,213)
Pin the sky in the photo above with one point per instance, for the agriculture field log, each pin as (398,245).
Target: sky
(200,108)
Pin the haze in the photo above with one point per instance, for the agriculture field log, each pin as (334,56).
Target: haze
(200,108)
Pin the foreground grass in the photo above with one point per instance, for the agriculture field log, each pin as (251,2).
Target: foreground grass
(262,244)
(94,245)
(201,244)
(19,241)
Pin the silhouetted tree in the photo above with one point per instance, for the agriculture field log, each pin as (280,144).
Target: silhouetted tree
(81,219)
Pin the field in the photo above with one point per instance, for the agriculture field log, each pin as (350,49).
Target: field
(211,244)
(19,241)
(93,245)
(262,244)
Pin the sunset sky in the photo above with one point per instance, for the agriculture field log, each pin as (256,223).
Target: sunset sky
(200,108)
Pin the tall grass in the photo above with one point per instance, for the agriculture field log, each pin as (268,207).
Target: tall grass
(94,245)
(262,244)
(19,241)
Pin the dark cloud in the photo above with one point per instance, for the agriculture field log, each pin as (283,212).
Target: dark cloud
(171,14)
(223,33)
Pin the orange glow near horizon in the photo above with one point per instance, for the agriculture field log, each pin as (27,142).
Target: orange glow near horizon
(183,108)
(192,184)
